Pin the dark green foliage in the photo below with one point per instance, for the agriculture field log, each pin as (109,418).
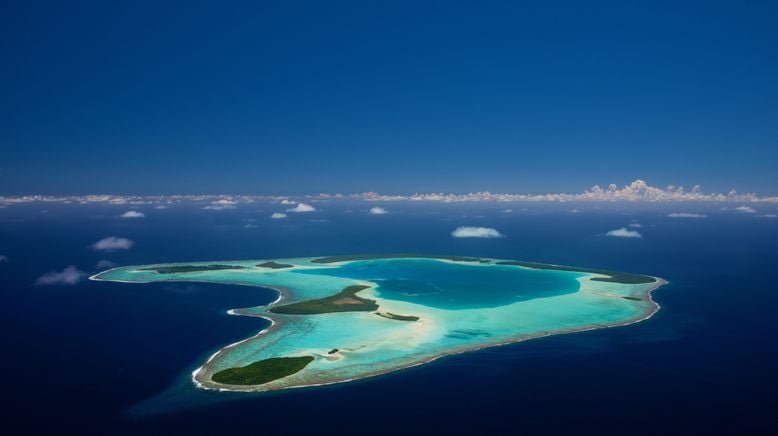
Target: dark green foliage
(189,268)
(632,298)
(330,304)
(263,371)
(396,317)
(274,265)
(333,259)
(615,277)
(333,351)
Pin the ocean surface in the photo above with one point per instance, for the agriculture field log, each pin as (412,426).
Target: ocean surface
(92,356)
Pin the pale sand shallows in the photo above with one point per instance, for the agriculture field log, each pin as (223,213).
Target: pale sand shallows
(371,345)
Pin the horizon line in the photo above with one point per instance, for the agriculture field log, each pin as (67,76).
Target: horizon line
(636,191)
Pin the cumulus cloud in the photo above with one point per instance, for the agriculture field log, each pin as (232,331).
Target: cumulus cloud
(476,232)
(3,258)
(278,216)
(636,191)
(745,209)
(624,233)
(112,243)
(105,263)
(68,276)
(635,225)
(378,211)
(133,214)
(686,215)
(302,207)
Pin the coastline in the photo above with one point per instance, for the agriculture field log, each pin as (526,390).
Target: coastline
(201,376)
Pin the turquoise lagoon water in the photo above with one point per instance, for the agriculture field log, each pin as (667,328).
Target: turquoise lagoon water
(461,306)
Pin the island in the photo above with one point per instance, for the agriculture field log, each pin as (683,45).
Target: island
(348,317)
(274,265)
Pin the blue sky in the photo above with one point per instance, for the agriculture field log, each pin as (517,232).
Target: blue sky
(396,97)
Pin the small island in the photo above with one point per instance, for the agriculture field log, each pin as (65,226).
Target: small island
(396,317)
(393,311)
(274,265)
(262,371)
(344,301)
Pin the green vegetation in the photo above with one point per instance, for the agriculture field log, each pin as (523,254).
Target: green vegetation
(274,265)
(344,301)
(396,317)
(615,277)
(333,259)
(190,268)
(333,351)
(262,371)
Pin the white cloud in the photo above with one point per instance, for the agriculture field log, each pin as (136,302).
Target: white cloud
(574,211)
(302,207)
(3,258)
(112,243)
(133,214)
(507,210)
(635,225)
(105,263)
(624,233)
(278,216)
(636,191)
(68,276)
(476,232)
(767,215)
(160,206)
(745,209)
(378,211)
(686,215)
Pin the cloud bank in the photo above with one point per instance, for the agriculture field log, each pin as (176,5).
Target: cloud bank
(301,208)
(112,243)
(476,232)
(686,215)
(377,211)
(636,191)
(133,214)
(68,276)
(624,233)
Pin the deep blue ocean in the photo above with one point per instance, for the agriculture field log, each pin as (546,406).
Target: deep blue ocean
(83,357)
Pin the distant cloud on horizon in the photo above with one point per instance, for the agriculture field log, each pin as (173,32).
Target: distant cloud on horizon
(378,211)
(637,191)
(278,216)
(686,215)
(68,276)
(112,243)
(624,233)
(476,232)
(302,208)
(745,209)
(133,214)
